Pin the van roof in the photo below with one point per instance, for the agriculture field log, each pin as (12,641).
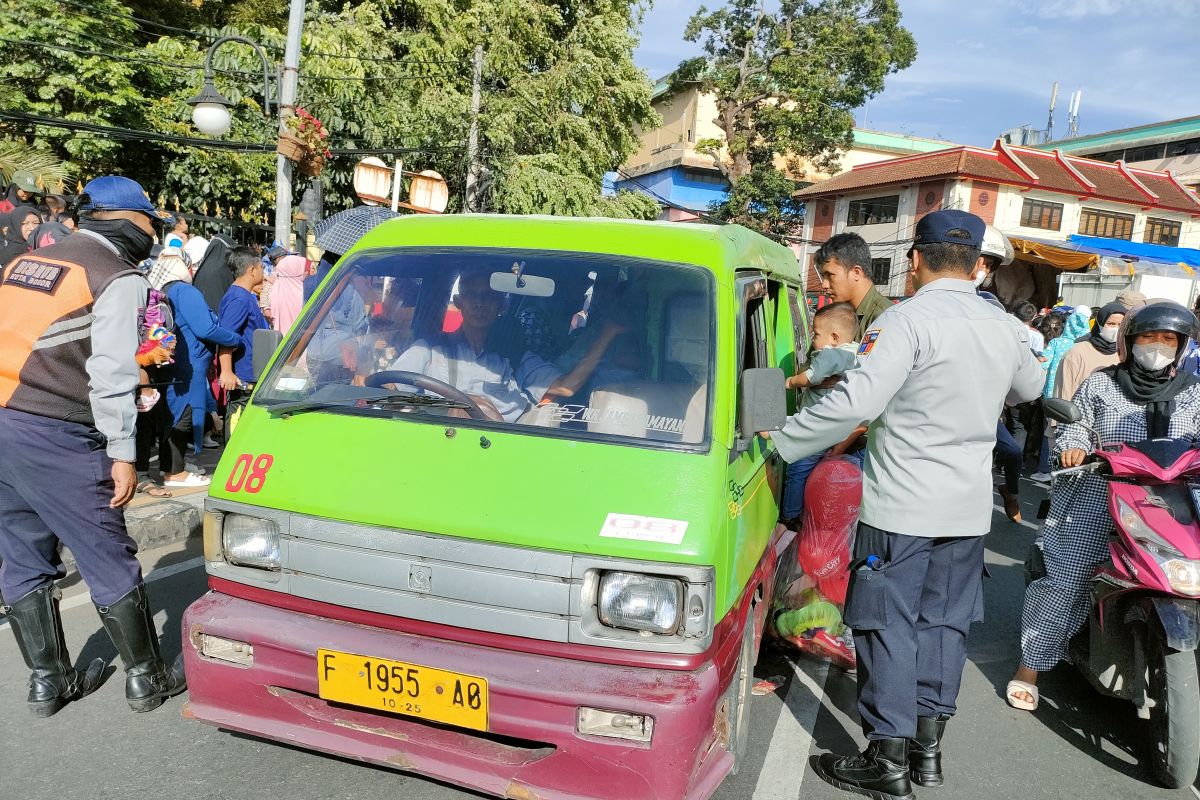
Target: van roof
(721,248)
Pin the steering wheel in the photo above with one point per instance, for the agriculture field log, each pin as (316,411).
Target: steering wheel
(377,380)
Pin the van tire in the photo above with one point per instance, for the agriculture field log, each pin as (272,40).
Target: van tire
(738,695)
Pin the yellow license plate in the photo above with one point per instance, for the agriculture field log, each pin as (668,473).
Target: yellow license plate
(378,683)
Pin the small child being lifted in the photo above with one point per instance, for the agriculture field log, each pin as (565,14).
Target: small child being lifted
(833,352)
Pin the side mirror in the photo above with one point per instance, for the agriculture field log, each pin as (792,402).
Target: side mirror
(266,342)
(1063,411)
(764,401)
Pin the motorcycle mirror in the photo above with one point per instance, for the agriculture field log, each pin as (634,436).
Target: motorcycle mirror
(1063,411)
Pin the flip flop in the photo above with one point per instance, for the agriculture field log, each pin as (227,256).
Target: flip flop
(153,489)
(1015,686)
(192,481)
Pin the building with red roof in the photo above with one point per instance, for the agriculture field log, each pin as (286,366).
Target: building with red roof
(1025,192)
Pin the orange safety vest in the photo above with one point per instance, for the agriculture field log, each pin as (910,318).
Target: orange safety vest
(46,313)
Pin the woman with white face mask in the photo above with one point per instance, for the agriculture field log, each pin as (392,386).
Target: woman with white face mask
(1144,396)
(1094,350)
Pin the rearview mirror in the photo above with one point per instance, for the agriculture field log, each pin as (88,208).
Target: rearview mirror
(265,343)
(1063,411)
(764,401)
(528,285)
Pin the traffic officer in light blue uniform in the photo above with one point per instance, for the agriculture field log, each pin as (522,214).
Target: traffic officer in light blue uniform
(935,372)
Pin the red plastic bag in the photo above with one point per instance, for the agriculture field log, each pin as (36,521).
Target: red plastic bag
(831,501)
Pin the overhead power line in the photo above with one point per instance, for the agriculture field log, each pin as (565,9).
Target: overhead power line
(200,68)
(132,134)
(131,59)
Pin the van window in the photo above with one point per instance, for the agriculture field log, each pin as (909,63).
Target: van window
(563,343)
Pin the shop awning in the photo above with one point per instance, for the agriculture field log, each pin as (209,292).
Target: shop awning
(1060,255)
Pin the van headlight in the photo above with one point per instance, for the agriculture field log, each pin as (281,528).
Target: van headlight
(640,602)
(250,541)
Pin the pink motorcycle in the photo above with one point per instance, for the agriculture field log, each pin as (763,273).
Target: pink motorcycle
(1144,626)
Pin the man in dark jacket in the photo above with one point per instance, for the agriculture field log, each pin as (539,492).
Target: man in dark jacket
(70,317)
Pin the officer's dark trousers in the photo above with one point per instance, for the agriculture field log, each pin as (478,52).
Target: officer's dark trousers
(55,485)
(910,621)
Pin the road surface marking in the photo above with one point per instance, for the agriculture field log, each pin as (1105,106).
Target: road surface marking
(787,755)
(155,575)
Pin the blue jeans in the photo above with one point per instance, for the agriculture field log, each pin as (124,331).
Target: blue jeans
(796,478)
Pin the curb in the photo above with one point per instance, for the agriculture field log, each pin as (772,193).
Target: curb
(159,523)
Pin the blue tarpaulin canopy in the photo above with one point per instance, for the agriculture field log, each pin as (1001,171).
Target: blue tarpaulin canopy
(1119,248)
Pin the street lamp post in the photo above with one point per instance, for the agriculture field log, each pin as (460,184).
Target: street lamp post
(287,104)
(210,109)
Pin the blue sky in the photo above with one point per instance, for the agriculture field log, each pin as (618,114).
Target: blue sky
(987,65)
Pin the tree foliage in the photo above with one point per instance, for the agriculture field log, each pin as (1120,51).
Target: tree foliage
(787,82)
(561,95)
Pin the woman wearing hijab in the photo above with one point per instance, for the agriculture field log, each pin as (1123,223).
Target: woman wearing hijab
(287,291)
(212,278)
(22,221)
(1092,351)
(194,249)
(188,392)
(1143,396)
(48,233)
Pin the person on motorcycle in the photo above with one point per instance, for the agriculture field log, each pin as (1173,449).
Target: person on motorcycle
(1144,396)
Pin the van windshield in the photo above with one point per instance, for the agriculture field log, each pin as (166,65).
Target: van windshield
(580,344)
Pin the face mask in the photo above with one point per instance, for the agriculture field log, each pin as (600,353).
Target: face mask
(1154,357)
(980,277)
(133,242)
(1109,334)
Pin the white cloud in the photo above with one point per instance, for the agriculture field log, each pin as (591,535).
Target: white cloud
(1084,9)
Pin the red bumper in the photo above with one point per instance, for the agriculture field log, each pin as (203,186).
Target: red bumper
(532,750)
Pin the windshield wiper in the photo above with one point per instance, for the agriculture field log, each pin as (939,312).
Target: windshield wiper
(407,399)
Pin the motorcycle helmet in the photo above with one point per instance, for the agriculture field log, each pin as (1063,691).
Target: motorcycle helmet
(1164,315)
(997,246)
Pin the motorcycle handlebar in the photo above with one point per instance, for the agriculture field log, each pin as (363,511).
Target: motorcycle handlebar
(1090,465)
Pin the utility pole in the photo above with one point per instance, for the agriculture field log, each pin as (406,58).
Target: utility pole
(473,194)
(287,104)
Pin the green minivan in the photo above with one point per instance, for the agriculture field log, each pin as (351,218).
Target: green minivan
(496,513)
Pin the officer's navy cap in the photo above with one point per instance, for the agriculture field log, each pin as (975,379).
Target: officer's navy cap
(116,193)
(949,226)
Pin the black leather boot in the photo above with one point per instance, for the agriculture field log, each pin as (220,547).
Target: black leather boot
(879,772)
(148,681)
(925,751)
(54,681)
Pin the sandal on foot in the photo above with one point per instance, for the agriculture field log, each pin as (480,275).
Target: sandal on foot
(153,489)
(1015,687)
(145,402)
(192,481)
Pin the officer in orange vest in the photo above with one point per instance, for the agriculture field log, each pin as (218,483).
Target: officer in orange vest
(70,317)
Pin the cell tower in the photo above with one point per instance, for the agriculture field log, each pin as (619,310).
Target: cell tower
(1073,114)
(1049,135)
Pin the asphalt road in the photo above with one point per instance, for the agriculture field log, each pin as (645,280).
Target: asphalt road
(1077,745)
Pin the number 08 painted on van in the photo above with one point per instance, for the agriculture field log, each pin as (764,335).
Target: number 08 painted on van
(517,478)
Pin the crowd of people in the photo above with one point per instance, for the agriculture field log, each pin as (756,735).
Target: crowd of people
(121,340)
(207,298)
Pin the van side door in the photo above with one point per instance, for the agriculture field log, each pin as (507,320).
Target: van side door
(751,485)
